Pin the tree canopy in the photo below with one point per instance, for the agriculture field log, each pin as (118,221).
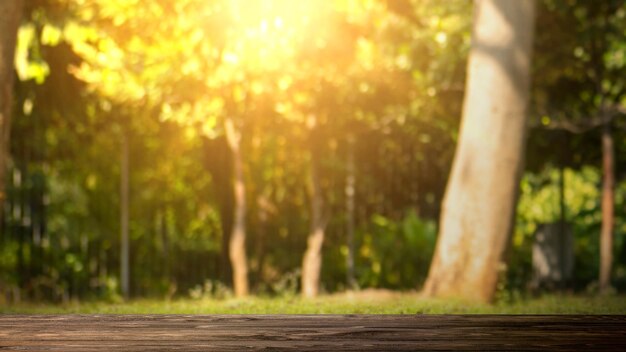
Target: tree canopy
(331,102)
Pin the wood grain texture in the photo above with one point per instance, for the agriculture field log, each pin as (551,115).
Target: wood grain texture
(310,332)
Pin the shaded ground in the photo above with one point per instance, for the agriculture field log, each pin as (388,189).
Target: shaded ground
(310,332)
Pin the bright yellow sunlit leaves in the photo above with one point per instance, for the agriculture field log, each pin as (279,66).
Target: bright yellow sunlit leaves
(25,67)
(181,56)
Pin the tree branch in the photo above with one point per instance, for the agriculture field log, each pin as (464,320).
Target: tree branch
(583,124)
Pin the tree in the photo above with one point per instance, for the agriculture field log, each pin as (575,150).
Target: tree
(372,76)
(608,206)
(237,245)
(10,16)
(124,216)
(581,88)
(479,204)
(349,194)
(141,63)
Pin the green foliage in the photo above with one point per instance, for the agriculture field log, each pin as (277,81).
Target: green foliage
(539,203)
(395,254)
(166,74)
(540,199)
(8,261)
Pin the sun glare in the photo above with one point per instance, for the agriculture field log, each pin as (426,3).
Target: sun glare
(267,32)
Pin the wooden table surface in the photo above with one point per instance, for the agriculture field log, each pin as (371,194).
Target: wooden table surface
(310,332)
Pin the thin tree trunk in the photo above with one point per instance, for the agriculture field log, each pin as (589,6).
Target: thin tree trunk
(562,210)
(350,190)
(312,260)
(163,230)
(260,240)
(124,217)
(10,16)
(478,210)
(265,208)
(563,248)
(608,205)
(237,245)
(218,158)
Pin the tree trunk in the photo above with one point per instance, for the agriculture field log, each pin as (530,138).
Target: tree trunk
(350,190)
(312,260)
(10,16)
(237,245)
(478,210)
(218,160)
(265,209)
(608,220)
(124,262)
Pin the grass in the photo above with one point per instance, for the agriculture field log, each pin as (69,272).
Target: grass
(345,303)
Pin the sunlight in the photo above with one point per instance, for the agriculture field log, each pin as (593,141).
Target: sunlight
(268,32)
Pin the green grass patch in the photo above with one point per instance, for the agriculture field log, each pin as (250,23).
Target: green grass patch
(345,303)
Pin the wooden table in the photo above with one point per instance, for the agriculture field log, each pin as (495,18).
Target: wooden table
(310,332)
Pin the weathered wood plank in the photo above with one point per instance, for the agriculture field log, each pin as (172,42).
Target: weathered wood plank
(310,332)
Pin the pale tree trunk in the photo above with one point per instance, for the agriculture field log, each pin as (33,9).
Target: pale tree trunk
(237,245)
(477,215)
(350,190)
(312,260)
(124,217)
(10,15)
(608,205)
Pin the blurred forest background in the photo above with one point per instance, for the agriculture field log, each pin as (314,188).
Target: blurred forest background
(198,148)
